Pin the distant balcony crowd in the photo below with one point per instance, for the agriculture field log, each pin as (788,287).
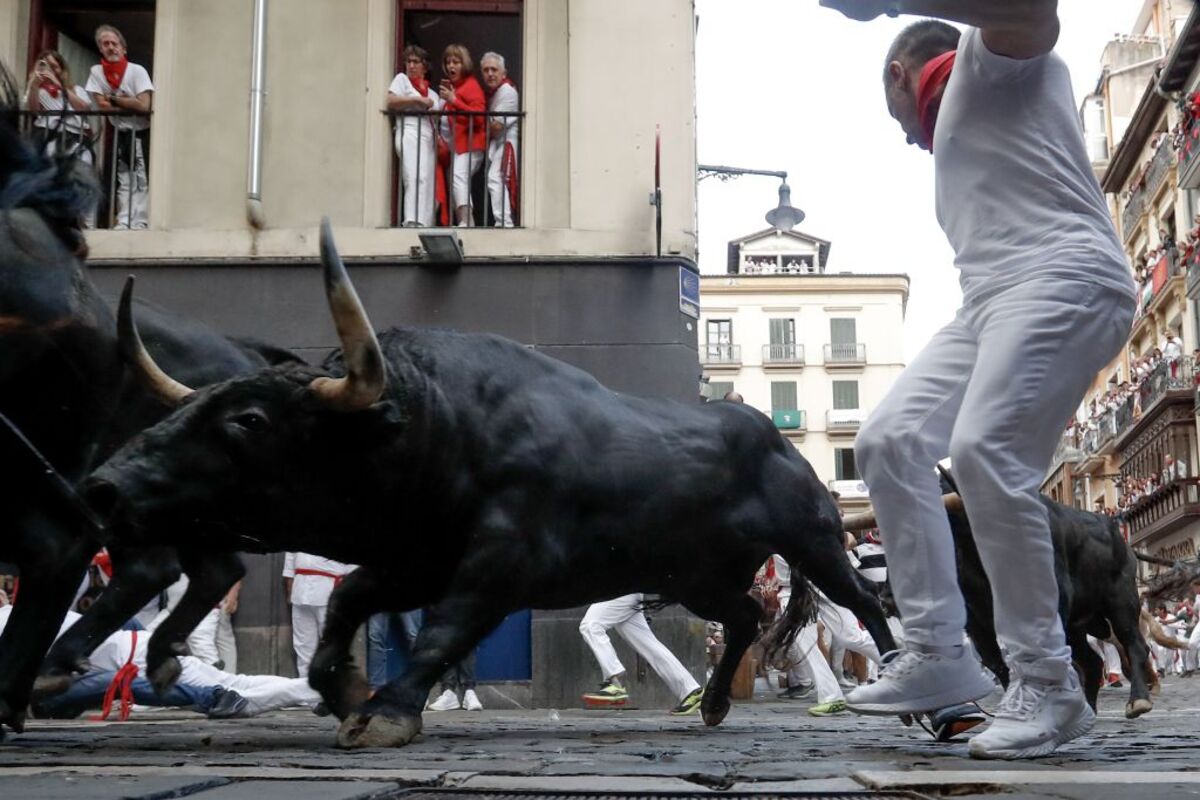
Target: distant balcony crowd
(1164,369)
(778,265)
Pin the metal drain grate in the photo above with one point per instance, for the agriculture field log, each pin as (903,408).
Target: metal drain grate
(512,794)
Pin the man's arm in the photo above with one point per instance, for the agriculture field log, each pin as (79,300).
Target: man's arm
(1017,29)
(139,103)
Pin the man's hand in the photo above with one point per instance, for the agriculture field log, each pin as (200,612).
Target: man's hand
(862,10)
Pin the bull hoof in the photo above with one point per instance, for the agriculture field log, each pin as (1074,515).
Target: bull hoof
(350,692)
(1135,708)
(164,675)
(14,720)
(50,685)
(359,730)
(713,713)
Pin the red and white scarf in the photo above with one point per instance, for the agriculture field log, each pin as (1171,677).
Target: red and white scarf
(114,71)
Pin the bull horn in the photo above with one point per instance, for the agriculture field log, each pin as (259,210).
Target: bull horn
(170,391)
(365,376)
(866,520)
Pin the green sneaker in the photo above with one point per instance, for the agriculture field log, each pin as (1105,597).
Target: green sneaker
(828,709)
(609,694)
(689,704)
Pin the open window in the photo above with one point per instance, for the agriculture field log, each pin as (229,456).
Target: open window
(116,144)
(455,166)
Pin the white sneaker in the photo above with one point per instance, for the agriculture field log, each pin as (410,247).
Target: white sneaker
(447,701)
(1034,718)
(471,701)
(912,682)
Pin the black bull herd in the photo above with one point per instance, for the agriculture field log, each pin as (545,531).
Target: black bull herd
(469,475)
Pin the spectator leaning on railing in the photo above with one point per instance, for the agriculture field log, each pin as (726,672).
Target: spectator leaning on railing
(416,140)
(503,138)
(60,104)
(461,92)
(117,84)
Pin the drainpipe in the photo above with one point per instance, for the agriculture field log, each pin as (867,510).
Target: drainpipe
(258,60)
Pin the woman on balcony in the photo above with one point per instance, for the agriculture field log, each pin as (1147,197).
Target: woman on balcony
(415,136)
(58,102)
(461,92)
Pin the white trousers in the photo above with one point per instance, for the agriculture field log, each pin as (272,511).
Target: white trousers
(844,631)
(226,643)
(418,168)
(202,642)
(307,622)
(263,692)
(133,190)
(993,390)
(497,190)
(808,663)
(1108,652)
(466,165)
(624,614)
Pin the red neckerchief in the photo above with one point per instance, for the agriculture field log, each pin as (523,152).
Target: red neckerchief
(51,89)
(421,85)
(934,76)
(114,71)
(122,684)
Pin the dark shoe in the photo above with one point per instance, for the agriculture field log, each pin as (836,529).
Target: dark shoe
(228,704)
(947,723)
(797,692)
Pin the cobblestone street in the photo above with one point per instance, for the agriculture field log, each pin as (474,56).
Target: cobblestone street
(762,746)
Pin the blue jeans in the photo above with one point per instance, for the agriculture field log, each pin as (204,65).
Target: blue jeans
(390,638)
(88,692)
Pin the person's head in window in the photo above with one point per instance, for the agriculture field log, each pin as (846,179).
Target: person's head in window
(457,63)
(493,69)
(50,69)
(416,63)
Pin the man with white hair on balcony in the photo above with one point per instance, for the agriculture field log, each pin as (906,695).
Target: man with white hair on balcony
(117,84)
(504,133)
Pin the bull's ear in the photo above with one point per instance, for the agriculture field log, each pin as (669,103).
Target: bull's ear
(148,373)
(366,376)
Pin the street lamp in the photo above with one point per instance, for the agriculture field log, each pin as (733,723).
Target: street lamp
(784,216)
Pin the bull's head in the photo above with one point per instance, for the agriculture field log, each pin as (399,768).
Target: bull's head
(219,461)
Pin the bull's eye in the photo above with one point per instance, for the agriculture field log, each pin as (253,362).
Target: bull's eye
(253,421)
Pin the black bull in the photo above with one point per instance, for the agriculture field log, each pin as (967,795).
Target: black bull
(473,476)
(1097,583)
(62,383)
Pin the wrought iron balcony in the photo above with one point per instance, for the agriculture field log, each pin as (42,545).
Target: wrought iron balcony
(721,355)
(852,353)
(1160,166)
(1164,511)
(783,355)
(1135,207)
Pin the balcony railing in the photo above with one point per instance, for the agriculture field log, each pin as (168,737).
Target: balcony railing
(106,143)
(721,354)
(436,186)
(1187,142)
(1160,166)
(844,419)
(1167,508)
(849,489)
(846,353)
(790,419)
(1135,207)
(789,354)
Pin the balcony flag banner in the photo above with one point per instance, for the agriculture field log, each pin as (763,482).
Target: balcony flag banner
(1158,278)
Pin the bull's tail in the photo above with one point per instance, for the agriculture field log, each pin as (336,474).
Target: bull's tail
(801,610)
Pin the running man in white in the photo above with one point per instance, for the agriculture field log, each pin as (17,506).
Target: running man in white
(1047,301)
(626,615)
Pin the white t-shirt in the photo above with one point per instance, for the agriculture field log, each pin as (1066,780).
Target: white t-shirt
(402,87)
(504,100)
(72,121)
(135,81)
(1016,194)
(313,590)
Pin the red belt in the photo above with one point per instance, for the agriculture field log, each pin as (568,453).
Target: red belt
(321,574)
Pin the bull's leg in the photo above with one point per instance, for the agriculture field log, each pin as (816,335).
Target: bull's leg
(138,577)
(1088,662)
(332,672)
(210,577)
(452,628)
(739,613)
(51,566)
(1123,618)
